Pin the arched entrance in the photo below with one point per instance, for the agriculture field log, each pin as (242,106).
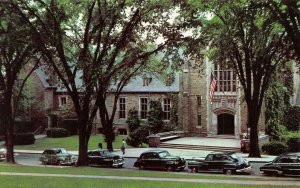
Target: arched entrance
(225,123)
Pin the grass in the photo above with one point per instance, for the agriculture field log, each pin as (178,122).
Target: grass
(70,143)
(4,167)
(49,182)
(66,182)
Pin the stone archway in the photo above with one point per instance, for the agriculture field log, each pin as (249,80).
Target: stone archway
(226,124)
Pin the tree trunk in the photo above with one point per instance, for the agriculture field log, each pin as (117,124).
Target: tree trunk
(9,130)
(253,117)
(82,155)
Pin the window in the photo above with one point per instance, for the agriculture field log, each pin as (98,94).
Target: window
(62,101)
(122,107)
(226,79)
(199,100)
(143,108)
(166,109)
(199,120)
(146,80)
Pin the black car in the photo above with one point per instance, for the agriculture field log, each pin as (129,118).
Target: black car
(222,162)
(159,159)
(106,158)
(285,164)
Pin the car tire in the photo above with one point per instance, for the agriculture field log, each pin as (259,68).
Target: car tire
(141,167)
(170,168)
(120,166)
(229,172)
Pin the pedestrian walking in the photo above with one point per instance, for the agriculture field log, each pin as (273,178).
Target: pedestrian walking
(123,146)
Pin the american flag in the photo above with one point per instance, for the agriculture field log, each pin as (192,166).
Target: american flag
(213,83)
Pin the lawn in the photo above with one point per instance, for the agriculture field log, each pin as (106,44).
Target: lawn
(66,182)
(50,182)
(70,143)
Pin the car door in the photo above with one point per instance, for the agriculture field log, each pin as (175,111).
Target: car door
(216,164)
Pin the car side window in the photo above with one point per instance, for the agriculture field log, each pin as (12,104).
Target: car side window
(217,158)
(155,155)
(209,158)
(285,160)
(225,158)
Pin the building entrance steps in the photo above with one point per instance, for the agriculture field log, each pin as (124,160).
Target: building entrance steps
(204,143)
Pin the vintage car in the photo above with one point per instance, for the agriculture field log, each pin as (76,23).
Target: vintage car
(2,154)
(106,158)
(57,156)
(221,162)
(159,159)
(287,164)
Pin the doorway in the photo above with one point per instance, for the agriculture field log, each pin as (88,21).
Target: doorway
(226,124)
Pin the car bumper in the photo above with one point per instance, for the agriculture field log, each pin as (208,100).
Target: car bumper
(118,163)
(245,170)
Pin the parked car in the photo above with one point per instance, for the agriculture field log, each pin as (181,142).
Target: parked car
(57,156)
(222,162)
(2,154)
(101,157)
(159,159)
(287,164)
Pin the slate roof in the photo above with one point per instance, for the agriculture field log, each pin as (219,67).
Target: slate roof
(156,85)
(135,84)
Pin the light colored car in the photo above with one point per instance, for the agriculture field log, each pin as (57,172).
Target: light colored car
(57,156)
(2,154)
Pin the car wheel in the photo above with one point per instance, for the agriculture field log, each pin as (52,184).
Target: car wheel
(279,173)
(229,172)
(141,167)
(170,169)
(109,165)
(120,166)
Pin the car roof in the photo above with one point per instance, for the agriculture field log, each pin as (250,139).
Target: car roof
(291,154)
(55,149)
(223,152)
(154,151)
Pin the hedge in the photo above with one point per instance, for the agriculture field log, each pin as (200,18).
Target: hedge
(24,138)
(23,127)
(274,148)
(293,144)
(57,132)
(70,125)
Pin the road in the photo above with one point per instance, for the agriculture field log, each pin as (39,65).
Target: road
(32,160)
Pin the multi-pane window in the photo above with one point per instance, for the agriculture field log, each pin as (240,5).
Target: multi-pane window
(226,79)
(62,101)
(166,108)
(122,107)
(143,108)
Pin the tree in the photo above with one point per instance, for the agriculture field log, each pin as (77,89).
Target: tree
(287,13)
(16,50)
(243,37)
(155,117)
(101,42)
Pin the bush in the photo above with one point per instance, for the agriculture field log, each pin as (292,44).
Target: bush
(293,144)
(274,148)
(292,118)
(23,126)
(57,132)
(70,125)
(24,139)
(138,137)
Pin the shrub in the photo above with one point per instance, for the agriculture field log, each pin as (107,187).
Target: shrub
(57,132)
(23,126)
(293,143)
(24,139)
(292,118)
(138,136)
(70,125)
(274,148)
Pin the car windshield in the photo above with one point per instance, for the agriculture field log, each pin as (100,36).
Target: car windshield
(237,157)
(63,151)
(164,154)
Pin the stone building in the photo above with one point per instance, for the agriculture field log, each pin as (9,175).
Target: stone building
(223,113)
